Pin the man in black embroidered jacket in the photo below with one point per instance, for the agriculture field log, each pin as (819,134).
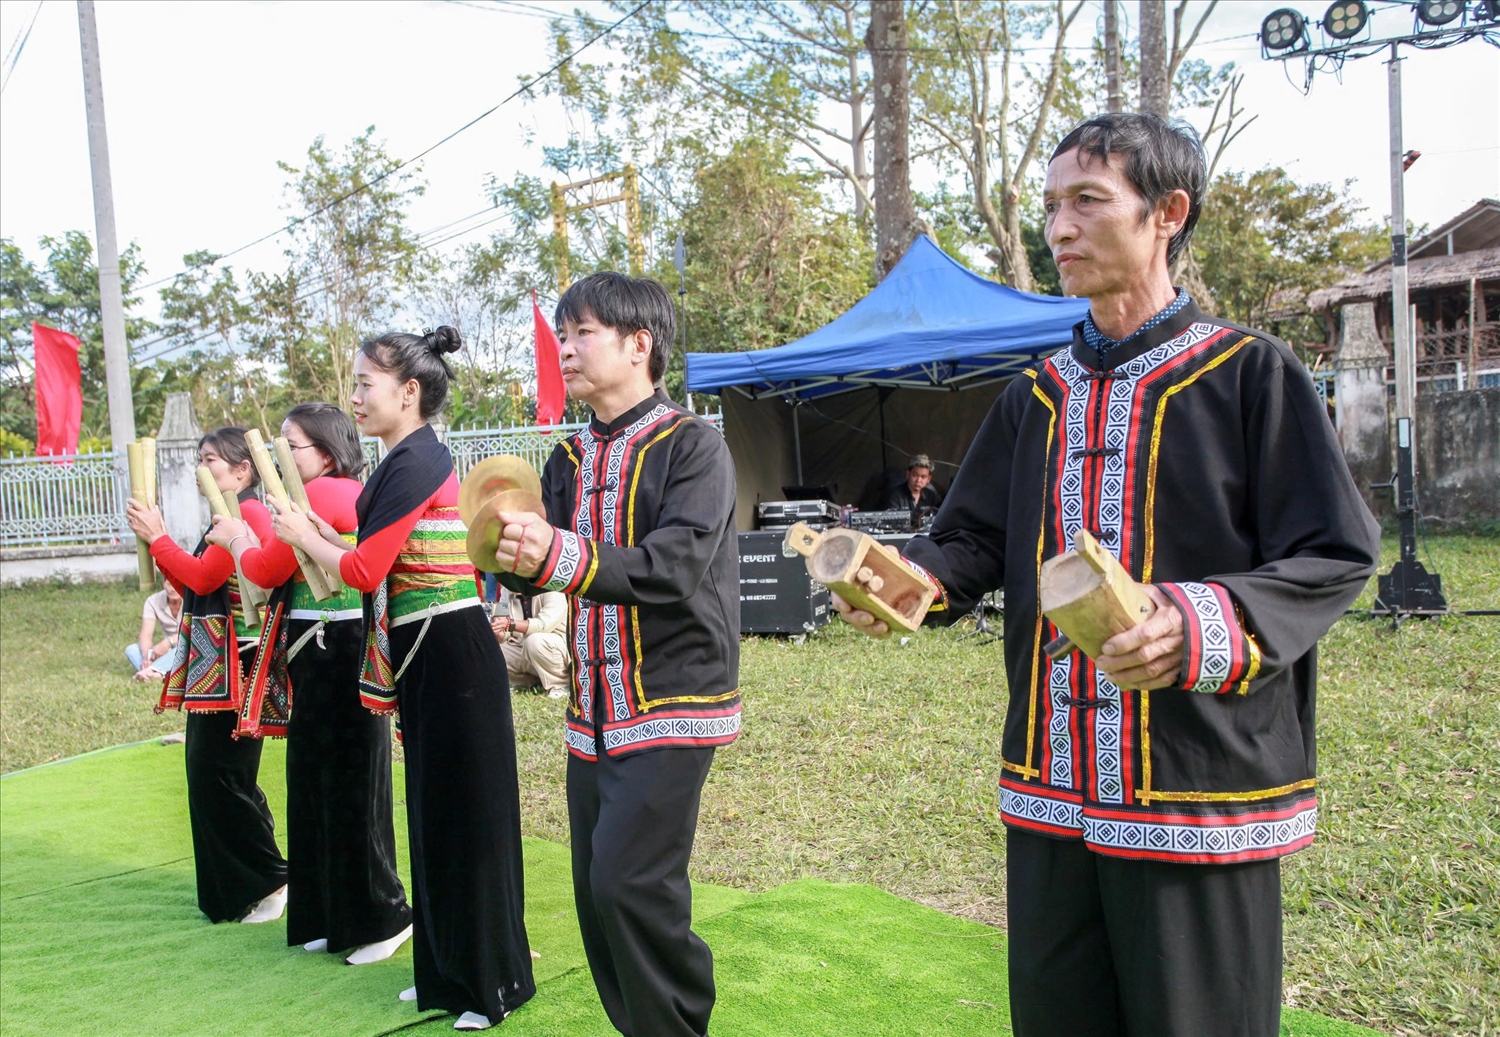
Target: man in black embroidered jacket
(641,538)
(1149,795)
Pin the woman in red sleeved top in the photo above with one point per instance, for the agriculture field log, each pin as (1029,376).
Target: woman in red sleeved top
(343,889)
(428,648)
(241,873)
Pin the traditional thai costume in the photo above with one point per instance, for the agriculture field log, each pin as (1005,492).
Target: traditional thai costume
(341,841)
(1145,827)
(234,846)
(428,650)
(646,550)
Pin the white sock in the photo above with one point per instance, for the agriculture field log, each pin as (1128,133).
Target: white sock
(269,909)
(409,994)
(371,952)
(316,945)
(473,1021)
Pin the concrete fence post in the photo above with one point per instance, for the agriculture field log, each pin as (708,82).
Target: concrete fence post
(182,507)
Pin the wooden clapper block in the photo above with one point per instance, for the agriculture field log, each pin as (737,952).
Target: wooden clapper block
(864,572)
(1090,598)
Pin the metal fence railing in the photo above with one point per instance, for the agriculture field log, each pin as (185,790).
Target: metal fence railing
(62,499)
(532,442)
(80,498)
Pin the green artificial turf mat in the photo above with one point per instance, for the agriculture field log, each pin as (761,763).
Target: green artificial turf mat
(99,933)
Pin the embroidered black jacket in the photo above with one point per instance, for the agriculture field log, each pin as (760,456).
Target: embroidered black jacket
(1204,460)
(646,551)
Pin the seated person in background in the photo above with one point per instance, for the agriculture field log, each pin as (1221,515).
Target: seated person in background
(917,492)
(530,629)
(164,608)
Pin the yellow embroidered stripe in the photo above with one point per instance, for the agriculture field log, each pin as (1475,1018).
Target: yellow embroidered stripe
(1144,793)
(635,482)
(635,478)
(1224,797)
(1027,769)
(1161,412)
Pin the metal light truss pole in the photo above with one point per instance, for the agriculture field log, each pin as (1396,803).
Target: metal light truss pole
(1408,589)
(111,306)
(630,194)
(1401,330)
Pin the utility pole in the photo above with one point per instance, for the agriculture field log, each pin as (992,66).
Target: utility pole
(1115,101)
(111,305)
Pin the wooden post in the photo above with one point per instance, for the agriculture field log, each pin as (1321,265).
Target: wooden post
(316,580)
(219,505)
(1472,380)
(293,480)
(145,568)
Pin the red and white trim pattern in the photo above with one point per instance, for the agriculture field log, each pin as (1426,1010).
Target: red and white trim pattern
(1217,654)
(1200,839)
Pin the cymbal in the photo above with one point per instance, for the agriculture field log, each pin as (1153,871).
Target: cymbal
(495,475)
(483,538)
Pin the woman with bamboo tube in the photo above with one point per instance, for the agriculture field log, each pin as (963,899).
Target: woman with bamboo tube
(241,873)
(341,843)
(428,648)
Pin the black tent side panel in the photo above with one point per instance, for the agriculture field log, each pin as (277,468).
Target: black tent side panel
(842,442)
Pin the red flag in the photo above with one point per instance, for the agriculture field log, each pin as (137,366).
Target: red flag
(550,393)
(59,390)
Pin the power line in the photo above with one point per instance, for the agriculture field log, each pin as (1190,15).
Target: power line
(13,55)
(419,155)
(319,284)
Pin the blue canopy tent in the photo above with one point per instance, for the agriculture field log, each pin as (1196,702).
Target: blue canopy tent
(842,407)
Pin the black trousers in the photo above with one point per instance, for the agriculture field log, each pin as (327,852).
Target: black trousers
(463,819)
(632,823)
(1105,947)
(234,841)
(341,842)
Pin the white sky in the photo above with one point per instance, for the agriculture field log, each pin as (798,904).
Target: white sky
(203,99)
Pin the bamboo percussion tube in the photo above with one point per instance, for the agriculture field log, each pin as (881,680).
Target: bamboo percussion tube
(257,594)
(316,579)
(293,480)
(219,505)
(145,570)
(148,469)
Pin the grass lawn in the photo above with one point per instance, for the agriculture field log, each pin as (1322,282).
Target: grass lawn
(875,762)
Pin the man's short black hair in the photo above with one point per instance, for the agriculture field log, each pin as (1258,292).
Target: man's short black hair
(627,304)
(1160,157)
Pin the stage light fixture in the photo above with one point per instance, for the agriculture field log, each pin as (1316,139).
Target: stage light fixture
(1282,29)
(1346,19)
(1439,12)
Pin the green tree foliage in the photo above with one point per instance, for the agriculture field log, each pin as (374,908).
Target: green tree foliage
(768,261)
(280,338)
(62,292)
(1264,241)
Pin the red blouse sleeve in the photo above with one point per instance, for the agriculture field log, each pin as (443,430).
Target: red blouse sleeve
(201,574)
(272,563)
(370,562)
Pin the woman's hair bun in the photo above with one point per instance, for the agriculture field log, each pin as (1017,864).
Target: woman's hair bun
(444,340)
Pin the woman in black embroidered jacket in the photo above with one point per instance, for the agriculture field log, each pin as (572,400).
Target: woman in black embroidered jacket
(428,650)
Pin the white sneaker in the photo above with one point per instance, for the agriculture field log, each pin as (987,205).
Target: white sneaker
(268,910)
(372,952)
(473,1021)
(558,693)
(316,945)
(409,994)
